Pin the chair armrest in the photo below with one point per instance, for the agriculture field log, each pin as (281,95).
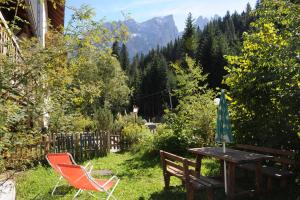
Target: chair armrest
(88,167)
(109,180)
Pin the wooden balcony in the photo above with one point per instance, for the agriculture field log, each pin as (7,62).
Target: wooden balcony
(8,42)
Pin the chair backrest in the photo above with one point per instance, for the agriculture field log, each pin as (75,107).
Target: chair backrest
(77,176)
(59,158)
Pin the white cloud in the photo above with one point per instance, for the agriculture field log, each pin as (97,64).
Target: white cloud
(140,3)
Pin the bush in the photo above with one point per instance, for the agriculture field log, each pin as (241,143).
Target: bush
(166,139)
(134,133)
(123,121)
(59,122)
(104,119)
(163,139)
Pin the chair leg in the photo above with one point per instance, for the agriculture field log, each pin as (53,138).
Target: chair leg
(283,183)
(56,185)
(111,192)
(269,184)
(77,193)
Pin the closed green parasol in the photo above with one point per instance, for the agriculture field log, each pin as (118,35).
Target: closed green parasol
(223,134)
(223,122)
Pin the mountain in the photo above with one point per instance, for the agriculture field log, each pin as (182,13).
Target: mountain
(151,33)
(201,22)
(147,35)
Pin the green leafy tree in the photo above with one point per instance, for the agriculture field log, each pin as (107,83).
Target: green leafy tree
(193,119)
(264,79)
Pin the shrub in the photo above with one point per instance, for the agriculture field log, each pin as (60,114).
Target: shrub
(104,119)
(59,122)
(123,120)
(168,140)
(134,133)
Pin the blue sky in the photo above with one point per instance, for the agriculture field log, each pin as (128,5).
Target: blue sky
(142,10)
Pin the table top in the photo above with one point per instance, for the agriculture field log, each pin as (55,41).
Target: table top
(231,155)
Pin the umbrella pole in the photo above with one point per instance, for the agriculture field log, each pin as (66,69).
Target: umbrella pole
(225,172)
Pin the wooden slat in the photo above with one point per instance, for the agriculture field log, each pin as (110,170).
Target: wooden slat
(173,164)
(285,161)
(269,171)
(191,163)
(173,156)
(266,150)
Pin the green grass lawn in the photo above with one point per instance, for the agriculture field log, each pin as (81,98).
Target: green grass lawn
(140,179)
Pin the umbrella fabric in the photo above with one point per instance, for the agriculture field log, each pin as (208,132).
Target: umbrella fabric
(223,122)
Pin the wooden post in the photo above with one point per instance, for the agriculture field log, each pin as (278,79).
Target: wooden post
(198,165)
(231,180)
(258,177)
(76,146)
(47,145)
(164,167)
(188,186)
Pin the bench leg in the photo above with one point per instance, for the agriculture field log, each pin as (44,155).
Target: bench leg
(269,184)
(167,180)
(283,183)
(210,194)
(189,193)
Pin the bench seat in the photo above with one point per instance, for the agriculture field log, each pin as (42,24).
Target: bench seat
(183,169)
(280,166)
(269,171)
(205,181)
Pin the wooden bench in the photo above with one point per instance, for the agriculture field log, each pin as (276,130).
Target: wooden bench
(281,166)
(184,169)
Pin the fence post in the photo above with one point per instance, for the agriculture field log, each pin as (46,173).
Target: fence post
(76,146)
(47,146)
(106,142)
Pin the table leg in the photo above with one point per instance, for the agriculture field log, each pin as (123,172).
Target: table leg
(258,178)
(231,179)
(221,168)
(198,165)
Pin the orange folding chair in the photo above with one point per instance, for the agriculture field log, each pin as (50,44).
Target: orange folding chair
(60,158)
(78,177)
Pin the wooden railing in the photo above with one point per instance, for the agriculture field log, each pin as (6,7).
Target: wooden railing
(8,44)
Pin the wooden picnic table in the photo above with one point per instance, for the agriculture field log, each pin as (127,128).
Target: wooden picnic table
(233,158)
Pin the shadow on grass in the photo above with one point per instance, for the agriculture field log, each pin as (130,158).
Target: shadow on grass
(138,165)
(174,193)
(59,192)
(179,193)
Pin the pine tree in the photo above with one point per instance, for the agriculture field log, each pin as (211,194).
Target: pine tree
(116,49)
(189,37)
(154,85)
(124,58)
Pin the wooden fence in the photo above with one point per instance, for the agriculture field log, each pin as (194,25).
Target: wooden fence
(118,142)
(82,146)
